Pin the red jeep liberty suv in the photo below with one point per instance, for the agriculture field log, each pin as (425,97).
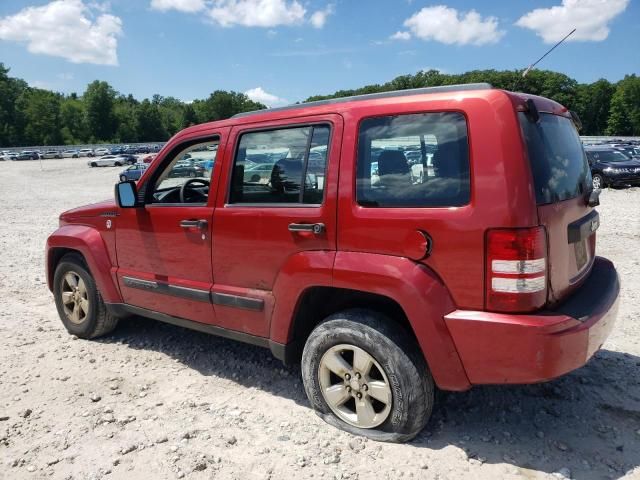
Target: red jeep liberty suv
(391,243)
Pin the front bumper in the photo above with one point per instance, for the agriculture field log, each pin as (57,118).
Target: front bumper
(498,348)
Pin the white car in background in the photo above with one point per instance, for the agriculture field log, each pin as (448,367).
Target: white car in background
(87,152)
(107,161)
(101,151)
(70,154)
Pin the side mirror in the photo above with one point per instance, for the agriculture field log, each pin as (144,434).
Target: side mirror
(126,194)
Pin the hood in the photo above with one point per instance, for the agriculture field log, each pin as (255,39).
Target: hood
(106,207)
(633,163)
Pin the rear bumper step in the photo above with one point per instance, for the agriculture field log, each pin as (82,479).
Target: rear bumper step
(500,348)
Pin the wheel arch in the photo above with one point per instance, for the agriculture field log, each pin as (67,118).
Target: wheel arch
(408,292)
(88,243)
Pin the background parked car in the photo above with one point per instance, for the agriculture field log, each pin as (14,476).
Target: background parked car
(149,158)
(611,167)
(70,154)
(28,155)
(186,168)
(99,152)
(107,161)
(133,172)
(52,154)
(86,152)
(129,159)
(258,173)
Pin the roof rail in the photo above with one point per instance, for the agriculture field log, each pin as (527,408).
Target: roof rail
(373,96)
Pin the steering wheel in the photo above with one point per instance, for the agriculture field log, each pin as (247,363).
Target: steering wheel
(188,184)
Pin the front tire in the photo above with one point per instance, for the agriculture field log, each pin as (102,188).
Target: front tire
(598,182)
(364,374)
(94,164)
(123,178)
(79,304)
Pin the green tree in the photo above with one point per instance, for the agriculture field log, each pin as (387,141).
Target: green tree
(40,112)
(73,120)
(593,105)
(150,128)
(99,99)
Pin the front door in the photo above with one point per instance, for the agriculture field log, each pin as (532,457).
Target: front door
(281,198)
(164,247)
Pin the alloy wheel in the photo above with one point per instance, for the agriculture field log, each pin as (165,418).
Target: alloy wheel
(355,386)
(597,184)
(75,299)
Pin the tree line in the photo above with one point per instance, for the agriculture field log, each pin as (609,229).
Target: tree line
(33,116)
(605,108)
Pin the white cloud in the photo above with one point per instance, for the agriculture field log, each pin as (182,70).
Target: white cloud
(319,18)
(68,29)
(257,13)
(188,6)
(400,36)
(259,95)
(590,18)
(446,25)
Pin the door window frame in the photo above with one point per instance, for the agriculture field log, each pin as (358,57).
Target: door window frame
(146,191)
(268,128)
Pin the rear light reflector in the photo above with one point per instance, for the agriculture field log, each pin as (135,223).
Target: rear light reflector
(518,285)
(516,269)
(519,266)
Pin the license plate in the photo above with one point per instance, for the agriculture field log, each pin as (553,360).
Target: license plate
(581,253)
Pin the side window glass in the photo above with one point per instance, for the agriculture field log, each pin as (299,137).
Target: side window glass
(186,178)
(416,160)
(281,166)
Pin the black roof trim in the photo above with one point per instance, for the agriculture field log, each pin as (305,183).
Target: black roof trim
(373,96)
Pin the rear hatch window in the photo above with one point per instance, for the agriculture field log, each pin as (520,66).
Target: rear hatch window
(562,180)
(559,167)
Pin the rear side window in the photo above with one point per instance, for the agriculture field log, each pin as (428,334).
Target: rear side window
(558,163)
(416,160)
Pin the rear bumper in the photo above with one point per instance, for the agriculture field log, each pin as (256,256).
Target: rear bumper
(500,348)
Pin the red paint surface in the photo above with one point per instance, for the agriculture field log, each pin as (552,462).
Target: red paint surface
(248,251)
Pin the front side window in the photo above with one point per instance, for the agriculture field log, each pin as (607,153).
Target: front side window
(281,166)
(415,160)
(187,176)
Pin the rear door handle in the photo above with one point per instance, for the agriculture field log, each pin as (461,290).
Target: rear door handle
(201,224)
(316,228)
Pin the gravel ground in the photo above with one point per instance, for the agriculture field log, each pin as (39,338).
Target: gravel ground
(157,401)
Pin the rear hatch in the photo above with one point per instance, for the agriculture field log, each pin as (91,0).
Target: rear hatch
(562,181)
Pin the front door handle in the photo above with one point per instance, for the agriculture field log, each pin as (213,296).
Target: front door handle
(200,224)
(316,228)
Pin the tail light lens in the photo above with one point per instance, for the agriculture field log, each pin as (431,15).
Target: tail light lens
(516,269)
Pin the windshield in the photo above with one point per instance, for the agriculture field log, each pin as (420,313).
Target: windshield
(609,156)
(558,163)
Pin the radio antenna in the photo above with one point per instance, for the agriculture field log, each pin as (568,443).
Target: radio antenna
(530,67)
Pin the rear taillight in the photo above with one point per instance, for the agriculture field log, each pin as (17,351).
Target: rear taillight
(516,269)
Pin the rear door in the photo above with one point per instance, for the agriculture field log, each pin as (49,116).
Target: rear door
(562,181)
(263,221)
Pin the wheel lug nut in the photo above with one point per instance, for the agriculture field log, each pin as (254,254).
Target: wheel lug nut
(359,395)
(358,376)
(349,389)
(347,376)
(365,387)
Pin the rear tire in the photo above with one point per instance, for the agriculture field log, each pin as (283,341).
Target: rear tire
(397,372)
(117,164)
(79,303)
(123,178)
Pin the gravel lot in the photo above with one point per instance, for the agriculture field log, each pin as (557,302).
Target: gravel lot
(158,401)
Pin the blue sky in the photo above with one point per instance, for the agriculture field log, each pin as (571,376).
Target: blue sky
(286,50)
